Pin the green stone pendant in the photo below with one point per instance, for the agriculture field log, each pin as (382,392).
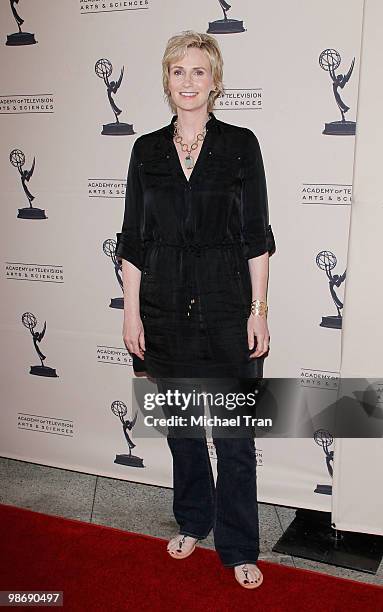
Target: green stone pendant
(189,162)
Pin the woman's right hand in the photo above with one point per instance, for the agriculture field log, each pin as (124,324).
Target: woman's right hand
(133,335)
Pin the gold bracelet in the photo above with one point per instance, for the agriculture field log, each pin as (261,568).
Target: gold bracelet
(258,307)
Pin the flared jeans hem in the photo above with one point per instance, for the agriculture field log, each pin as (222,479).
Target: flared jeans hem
(230,506)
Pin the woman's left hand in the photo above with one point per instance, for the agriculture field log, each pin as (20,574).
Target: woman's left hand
(258,332)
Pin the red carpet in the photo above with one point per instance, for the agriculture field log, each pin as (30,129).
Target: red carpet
(106,569)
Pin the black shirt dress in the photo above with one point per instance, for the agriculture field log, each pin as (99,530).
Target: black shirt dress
(192,239)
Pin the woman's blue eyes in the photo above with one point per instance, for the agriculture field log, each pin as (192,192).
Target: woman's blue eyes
(177,72)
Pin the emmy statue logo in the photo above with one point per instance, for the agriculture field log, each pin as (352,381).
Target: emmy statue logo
(327,261)
(330,60)
(104,69)
(109,248)
(324,439)
(19,38)
(120,410)
(29,320)
(225,25)
(17,159)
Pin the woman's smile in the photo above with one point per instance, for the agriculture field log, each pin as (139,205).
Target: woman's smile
(188,94)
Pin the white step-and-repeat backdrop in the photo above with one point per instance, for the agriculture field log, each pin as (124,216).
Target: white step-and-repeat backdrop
(70,69)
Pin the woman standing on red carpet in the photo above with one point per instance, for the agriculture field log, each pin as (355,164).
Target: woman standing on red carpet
(195,245)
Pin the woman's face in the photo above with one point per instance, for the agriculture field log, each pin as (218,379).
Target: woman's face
(191,80)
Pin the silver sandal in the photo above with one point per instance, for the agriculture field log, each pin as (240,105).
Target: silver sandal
(186,545)
(243,576)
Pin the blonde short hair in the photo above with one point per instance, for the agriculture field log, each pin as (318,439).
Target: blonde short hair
(176,48)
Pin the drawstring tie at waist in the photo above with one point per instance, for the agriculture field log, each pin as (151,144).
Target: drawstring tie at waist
(196,247)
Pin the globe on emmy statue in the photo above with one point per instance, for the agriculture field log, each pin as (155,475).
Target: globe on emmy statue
(109,248)
(120,410)
(327,261)
(329,60)
(17,159)
(19,38)
(225,25)
(29,320)
(324,439)
(103,68)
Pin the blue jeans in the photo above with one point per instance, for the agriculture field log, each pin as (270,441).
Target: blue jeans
(230,507)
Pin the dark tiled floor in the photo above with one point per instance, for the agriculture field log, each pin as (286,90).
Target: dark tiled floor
(134,507)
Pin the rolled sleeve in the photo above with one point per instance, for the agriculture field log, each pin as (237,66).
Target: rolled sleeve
(129,240)
(257,234)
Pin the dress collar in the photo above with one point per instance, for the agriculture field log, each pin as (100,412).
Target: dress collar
(212,124)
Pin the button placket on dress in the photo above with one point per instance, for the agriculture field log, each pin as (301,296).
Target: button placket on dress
(191,253)
(191,249)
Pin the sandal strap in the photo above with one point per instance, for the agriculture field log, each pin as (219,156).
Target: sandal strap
(181,542)
(245,571)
